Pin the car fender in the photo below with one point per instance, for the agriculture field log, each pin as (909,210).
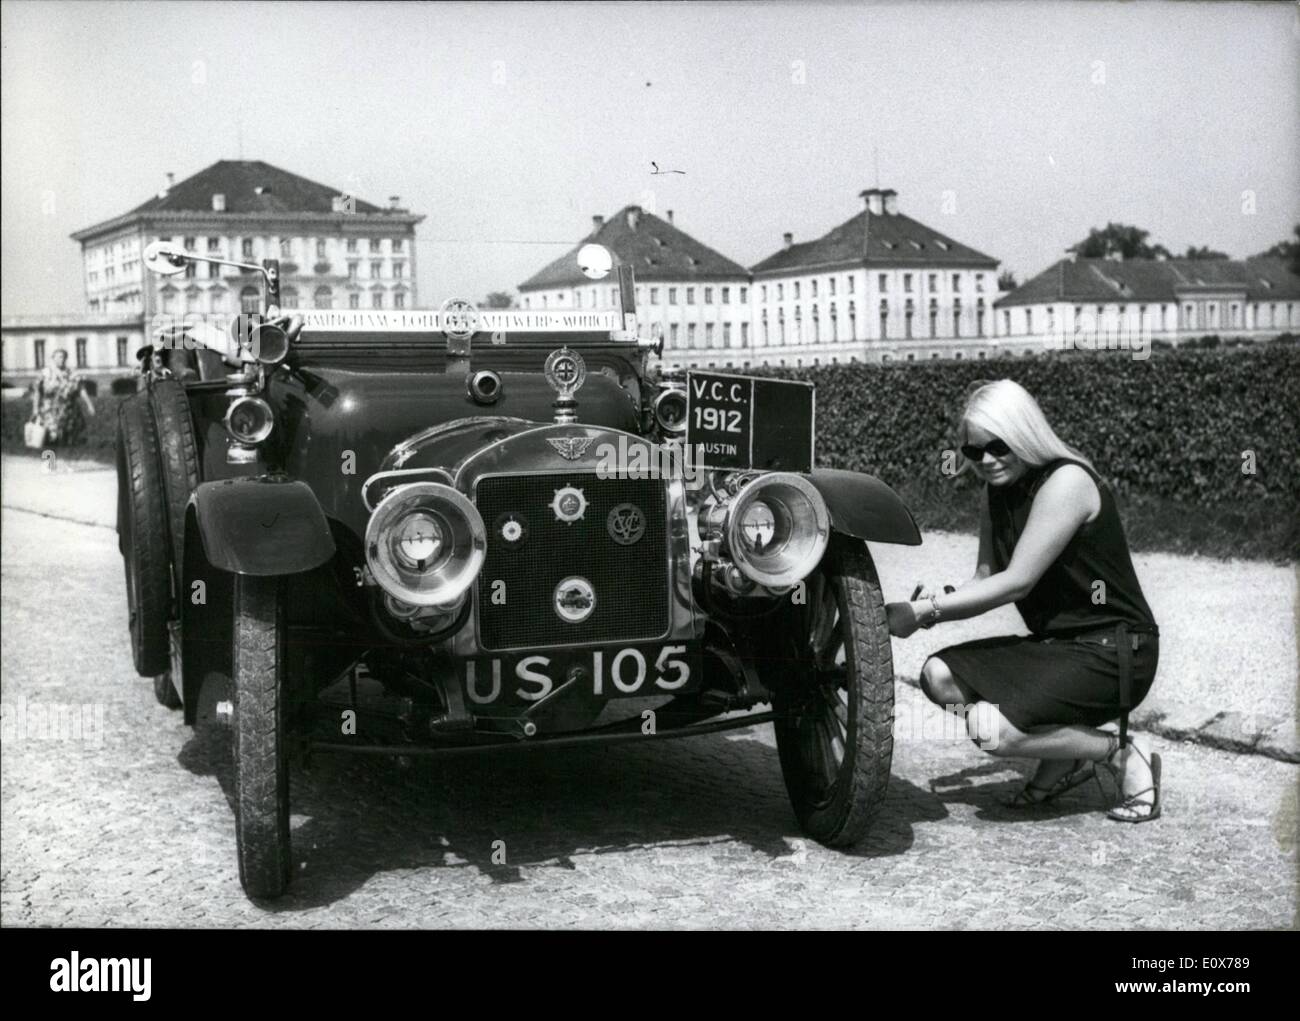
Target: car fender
(862,506)
(262,525)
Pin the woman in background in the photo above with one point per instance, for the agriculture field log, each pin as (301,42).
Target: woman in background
(58,399)
(1051,541)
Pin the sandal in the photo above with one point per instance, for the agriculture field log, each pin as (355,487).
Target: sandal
(1081,771)
(1136,801)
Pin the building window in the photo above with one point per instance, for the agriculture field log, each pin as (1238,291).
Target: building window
(399,299)
(324,297)
(907,283)
(708,334)
(796,290)
(80,352)
(354,269)
(376,299)
(979,318)
(352,244)
(934,282)
(883,280)
(376,270)
(762,293)
(654,296)
(399,270)
(848,282)
(884,320)
(780,292)
(191,272)
(397,244)
(189,244)
(1006,322)
(376,245)
(286,247)
(813,285)
(690,334)
(672,295)
(744,336)
(672,335)
(726,334)
(38,353)
(214,271)
(979,281)
(708,295)
(354,300)
(907,321)
(690,295)
(250,300)
(121,350)
(956,319)
(726,295)
(956,281)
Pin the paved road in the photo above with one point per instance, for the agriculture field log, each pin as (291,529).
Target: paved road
(131,823)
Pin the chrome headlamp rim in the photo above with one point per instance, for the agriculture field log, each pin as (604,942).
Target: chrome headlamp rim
(457,566)
(809,524)
(657,404)
(268,419)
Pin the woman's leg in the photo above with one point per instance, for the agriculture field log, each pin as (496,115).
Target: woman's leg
(943,689)
(1058,745)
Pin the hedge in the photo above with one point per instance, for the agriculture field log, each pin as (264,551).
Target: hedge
(1178,426)
(101,430)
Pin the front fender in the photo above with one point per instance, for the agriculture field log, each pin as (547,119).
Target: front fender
(262,525)
(864,507)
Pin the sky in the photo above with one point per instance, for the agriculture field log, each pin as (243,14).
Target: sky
(1012,127)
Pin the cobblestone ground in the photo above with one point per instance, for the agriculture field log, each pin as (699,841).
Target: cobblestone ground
(132,824)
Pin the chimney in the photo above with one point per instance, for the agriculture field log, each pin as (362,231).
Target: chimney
(218,202)
(597,222)
(393,201)
(891,201)
(788,238)
(633,216)
(874,201)
(171,179)
(670,216)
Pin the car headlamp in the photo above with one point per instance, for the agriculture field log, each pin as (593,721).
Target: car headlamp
(670,411)
(425,544)
(249,420)
(777,529)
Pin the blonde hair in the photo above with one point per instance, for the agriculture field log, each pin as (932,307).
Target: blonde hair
(1008,411)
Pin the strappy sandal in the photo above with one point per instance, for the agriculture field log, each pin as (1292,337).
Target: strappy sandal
(1135,802)
(1081,771)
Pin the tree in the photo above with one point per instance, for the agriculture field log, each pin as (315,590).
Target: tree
(1204,252)
(1007,281)
(1288,250)
(1117,239)
(498,299)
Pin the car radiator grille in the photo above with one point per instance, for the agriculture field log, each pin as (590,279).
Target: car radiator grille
(630,581)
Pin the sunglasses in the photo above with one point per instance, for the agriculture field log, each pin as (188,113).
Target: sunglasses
(995,446)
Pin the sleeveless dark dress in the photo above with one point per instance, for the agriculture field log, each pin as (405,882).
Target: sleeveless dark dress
(1067,669)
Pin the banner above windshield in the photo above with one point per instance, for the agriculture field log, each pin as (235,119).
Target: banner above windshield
(429,320)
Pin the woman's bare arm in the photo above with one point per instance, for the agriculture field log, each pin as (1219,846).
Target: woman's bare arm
(1066,500)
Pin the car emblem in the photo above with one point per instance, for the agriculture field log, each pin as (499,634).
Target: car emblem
(565,371)
(512,528)
(625,524)
(574,599)
(569,504)
(570,447)
(459,318)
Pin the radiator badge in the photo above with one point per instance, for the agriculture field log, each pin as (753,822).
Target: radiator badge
(625,524)
(574,599)
(512,528)
(570,447)
(569,504)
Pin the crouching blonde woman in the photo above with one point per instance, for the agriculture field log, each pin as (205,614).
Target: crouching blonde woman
(1051,542)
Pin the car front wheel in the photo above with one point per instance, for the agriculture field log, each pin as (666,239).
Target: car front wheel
(835,699)
(260,755)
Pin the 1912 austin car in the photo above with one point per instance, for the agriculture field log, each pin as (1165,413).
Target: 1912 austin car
(428,532)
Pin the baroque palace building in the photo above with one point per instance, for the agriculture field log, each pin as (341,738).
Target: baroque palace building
(697,298)
(335,251)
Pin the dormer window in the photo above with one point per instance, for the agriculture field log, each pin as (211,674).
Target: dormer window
(917,245)
(943,244)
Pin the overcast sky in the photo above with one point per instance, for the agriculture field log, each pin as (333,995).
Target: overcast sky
(510,125)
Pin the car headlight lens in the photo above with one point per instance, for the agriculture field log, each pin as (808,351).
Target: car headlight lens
(249,420)
(425,544)
(777,529)
(670,411)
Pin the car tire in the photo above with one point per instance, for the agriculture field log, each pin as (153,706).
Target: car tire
(259,745)
(142,535)
(165,692)
(836,692)
(178,455)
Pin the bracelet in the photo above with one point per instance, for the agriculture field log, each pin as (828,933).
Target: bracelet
(932,618)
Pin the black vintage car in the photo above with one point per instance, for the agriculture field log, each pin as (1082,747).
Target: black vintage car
(427,532)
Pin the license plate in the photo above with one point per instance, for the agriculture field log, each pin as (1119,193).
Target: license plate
(750,422)
(635,671)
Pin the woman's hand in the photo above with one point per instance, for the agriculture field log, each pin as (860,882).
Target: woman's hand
(902,619)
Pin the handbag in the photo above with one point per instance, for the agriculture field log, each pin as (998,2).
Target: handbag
(34,435)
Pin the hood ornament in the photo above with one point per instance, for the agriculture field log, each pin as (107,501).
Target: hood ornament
(565,372)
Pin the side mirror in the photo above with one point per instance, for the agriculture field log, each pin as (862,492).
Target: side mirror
(595,261)
(165,258)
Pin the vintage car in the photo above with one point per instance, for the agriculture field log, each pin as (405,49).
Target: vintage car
(422,532)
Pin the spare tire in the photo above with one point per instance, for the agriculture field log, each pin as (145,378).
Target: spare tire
(178,456)
(142,535)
